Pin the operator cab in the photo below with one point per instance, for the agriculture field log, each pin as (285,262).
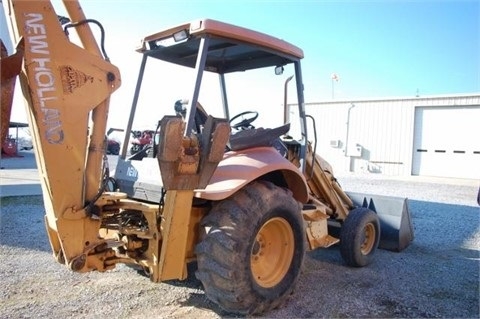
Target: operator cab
(208,47)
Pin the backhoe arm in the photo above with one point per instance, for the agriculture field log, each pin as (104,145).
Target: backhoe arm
(67,89)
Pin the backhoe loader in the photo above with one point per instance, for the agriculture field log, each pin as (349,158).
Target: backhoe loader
(243,203)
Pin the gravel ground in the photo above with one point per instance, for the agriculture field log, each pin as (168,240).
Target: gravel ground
(437,276)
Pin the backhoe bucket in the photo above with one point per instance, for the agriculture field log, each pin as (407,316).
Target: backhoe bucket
(396,228)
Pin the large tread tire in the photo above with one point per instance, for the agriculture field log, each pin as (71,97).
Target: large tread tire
(359,237)
(226,256)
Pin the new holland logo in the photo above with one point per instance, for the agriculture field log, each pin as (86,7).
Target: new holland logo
(73,79)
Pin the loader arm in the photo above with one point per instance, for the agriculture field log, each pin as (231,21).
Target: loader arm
(324,187)
(67,90)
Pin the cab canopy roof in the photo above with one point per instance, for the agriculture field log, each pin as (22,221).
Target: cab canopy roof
(231,48)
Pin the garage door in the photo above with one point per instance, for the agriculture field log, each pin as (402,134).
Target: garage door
(447,142)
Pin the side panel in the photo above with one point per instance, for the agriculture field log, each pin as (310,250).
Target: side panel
(149,187)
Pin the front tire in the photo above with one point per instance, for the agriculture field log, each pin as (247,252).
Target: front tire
(359,237)
(252,254)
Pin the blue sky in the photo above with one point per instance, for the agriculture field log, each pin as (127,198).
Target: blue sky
(377,48)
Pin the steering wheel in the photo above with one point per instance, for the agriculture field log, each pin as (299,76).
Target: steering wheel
(246,119)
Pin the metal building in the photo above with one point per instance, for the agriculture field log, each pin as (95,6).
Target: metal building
(429,136)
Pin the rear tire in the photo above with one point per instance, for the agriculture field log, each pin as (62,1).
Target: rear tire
(359,237)
(252,254)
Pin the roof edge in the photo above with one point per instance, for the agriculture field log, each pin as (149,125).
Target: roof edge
(399,98)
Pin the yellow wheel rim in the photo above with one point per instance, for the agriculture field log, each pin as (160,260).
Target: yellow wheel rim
(272,252)
(369,239)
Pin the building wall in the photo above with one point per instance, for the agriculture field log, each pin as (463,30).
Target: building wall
(376,135)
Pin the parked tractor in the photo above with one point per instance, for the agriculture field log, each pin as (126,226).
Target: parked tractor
(241,201)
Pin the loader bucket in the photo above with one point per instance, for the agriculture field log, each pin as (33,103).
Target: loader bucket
(396,228)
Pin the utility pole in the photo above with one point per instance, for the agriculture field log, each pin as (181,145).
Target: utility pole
(334,78)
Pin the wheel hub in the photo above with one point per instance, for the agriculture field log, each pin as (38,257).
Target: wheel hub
(368,239)
(272,252)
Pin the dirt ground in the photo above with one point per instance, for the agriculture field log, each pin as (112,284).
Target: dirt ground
(437,276)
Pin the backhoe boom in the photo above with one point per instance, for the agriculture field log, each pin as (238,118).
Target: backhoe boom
(63,85)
